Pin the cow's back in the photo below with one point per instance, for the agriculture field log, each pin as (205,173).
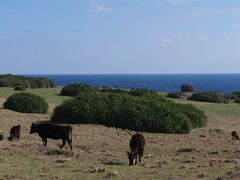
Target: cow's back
(137,142)
(53,131)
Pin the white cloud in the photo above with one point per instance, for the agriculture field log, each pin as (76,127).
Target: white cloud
(202,37)
(177,1)
(238,51)
(212,12)
(130,13)
(238,26)
(180,35)
(101,9)
(227,38)
(167,40)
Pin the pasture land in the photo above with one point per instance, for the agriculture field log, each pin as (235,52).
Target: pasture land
(100,152)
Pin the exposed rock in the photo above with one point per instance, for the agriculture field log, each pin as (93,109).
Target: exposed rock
(201,175)
(149,156)
(218,131)
(110,175)
(213,152)
(96,170)
(202,135)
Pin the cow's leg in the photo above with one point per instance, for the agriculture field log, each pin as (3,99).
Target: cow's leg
(44,140)
(63,143)
(70,143)
(139,156)
(135,159)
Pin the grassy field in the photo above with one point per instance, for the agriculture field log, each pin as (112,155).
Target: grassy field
(100,152)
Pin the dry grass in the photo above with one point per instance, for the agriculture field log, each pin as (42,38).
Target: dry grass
(100,152)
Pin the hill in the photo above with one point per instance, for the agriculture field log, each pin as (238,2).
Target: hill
(9,80)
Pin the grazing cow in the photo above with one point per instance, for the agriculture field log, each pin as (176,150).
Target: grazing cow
(15,133)
(234,135)
(136,144)
(53,131)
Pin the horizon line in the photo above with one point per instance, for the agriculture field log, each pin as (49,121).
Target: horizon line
(128,74)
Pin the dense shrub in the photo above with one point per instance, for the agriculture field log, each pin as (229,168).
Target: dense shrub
(26,103)
(142,113)
(75,89)
(19,88)
(237,101)
(27,82)
(113,90)
(198,118)
(230,96)
(236,94)
(142,92)
(176,95)
(186,88)
(213,97)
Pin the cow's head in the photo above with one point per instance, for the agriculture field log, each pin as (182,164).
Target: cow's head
(33,128)
(131,157)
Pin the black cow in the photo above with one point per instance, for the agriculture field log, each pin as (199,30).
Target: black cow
(53,131)
(234,135)
(15,133)
(137,144)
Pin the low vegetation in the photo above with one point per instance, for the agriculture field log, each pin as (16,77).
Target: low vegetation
(19,88)
(76,89)
(236,94)
(213,97)
(237,100)
(176,95)
(142,113)
(26,103)
(142,92)
(27,82)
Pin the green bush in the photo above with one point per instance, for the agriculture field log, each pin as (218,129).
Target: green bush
(112,90)
(236,94)
(230,96)
(186,88)
(27,82)
(26,103)
(212,97)
(143,113)
(198,118)
(176,95)
(75,89)
(237,101)
(19,88)
(142,92)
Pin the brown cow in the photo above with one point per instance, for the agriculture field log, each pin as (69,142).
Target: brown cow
(137,144)
(15,133)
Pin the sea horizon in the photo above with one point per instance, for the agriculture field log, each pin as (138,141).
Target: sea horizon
(225,83)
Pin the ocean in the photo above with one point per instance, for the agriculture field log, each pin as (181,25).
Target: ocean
(225,83)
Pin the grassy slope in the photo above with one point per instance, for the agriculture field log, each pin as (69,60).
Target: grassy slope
(100,147)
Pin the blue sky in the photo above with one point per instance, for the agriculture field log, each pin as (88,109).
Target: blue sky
(119,36)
